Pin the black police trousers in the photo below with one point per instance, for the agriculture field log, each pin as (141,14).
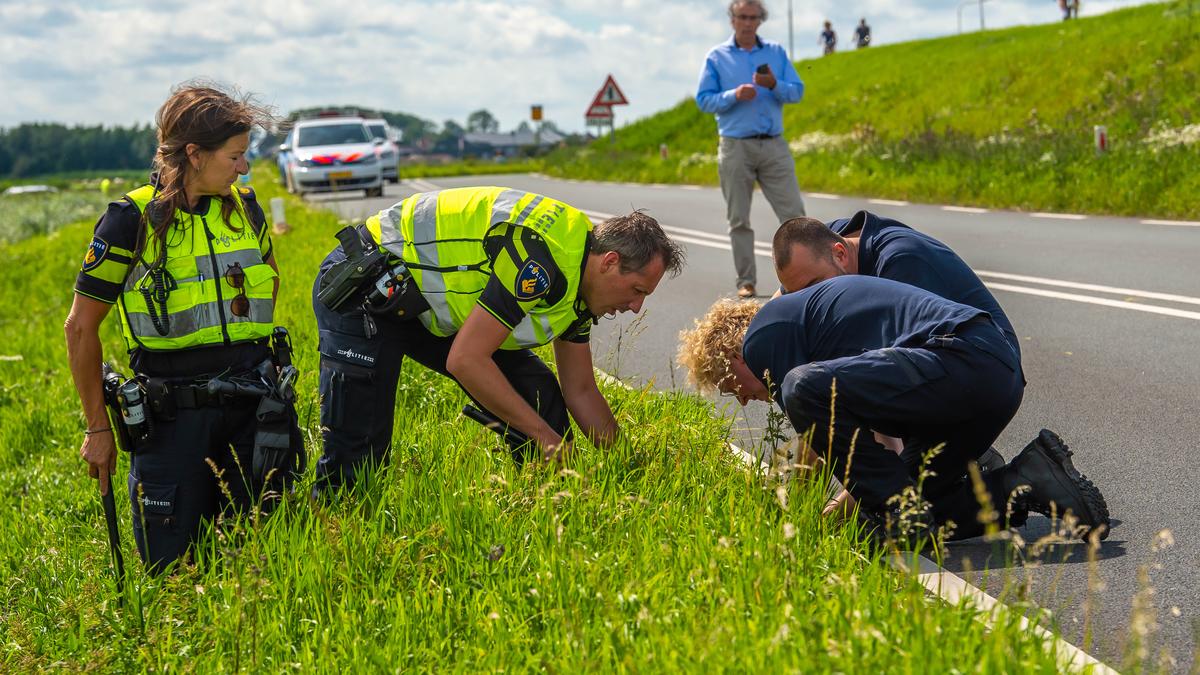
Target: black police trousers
(174,490)
(957,391)
(359,375)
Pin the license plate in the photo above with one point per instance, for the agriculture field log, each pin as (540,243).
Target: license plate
(338,175)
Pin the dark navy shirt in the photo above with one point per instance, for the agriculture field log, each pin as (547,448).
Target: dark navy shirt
(844,316)
(892,250)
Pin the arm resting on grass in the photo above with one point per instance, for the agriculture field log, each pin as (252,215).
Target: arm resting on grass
(84,353)
(584,400)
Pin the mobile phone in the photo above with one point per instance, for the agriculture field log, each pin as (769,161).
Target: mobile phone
(763,69)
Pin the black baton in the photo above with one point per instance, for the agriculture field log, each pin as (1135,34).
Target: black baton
(114,540)
(511,436)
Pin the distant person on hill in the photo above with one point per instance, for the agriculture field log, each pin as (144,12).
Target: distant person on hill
(745,82)
(1070,8)
(828,39)
(862,34)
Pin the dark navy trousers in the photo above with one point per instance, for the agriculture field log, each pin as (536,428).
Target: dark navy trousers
(955,391)
(359,375)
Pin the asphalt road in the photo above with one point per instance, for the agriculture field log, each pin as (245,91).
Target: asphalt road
(1109,335)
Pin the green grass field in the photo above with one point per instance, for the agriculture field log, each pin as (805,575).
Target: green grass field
(1001,118)
(661,555)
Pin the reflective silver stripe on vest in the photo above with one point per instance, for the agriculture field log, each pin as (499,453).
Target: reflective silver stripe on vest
(520,219)
(246,257)
(433,284)
(507,201)
(390,236)
(502,208)
(526,336)
(198,318)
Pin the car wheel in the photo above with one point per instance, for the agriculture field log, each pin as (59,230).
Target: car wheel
(375,191)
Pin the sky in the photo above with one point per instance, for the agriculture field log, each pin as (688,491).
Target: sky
(115,61)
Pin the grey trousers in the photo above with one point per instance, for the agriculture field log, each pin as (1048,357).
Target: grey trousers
(741,162)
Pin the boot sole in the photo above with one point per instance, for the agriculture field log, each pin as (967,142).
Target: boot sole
(1086,493)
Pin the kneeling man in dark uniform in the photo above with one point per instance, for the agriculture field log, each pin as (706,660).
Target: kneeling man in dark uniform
(853,354)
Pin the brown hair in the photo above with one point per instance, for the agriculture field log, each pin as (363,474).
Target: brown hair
(200,114)
(807,232)
(706,349)
(638,239)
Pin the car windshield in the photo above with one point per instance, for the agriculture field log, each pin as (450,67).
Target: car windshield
(377,131)
(331,134)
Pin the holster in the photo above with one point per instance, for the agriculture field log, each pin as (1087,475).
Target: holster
(277,461)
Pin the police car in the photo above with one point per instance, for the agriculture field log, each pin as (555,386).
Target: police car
(331,154)
(389,152)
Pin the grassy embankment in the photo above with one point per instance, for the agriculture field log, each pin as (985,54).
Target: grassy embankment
(661,555)
(1001,118)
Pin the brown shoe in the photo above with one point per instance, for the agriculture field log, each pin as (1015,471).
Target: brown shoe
(746,291)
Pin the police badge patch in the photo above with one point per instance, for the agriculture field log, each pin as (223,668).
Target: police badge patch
(95,254)
(532,282)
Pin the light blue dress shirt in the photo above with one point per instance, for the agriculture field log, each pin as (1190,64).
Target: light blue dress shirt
(728,66)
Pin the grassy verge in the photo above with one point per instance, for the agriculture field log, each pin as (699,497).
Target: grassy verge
(1001,119)
(660,555)
(468,168)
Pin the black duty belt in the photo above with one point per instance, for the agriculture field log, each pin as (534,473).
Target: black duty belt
(185,395)
(762,137)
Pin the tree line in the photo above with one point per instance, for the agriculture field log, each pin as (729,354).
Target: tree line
(39,149)
(36,149)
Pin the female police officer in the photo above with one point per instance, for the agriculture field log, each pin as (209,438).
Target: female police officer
(188,261)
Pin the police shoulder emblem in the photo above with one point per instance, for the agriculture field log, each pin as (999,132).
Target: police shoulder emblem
(246,191)
(532,282)
(95,254)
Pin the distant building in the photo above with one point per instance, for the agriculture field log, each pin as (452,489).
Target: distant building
(510,144)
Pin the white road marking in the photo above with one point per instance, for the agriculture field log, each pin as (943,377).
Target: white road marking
(1106,302)
(964,209)
(1172,223)
(954,589)
(821,195)
(1060,216)
(1151,295)
(691,187)
(888,202)
(421,185)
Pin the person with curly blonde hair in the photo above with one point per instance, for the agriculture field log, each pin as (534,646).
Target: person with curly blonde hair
(853,354)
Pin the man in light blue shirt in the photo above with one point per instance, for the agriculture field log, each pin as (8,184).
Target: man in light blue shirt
(745,82)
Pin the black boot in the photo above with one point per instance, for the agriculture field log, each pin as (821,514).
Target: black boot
(990,460)
(1054,487)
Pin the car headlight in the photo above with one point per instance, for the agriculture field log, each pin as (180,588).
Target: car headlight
(306,163)
(386,154)
(367,160)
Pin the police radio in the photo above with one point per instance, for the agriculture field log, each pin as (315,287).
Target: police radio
(347,280)
(364,276)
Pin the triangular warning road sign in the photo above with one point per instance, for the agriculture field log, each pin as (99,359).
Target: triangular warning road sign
(610,94)
(599,112)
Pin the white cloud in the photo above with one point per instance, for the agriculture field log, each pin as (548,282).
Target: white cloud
(114,62)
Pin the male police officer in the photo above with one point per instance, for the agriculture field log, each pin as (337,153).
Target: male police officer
(806,251)
(475,277)
(894,358)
